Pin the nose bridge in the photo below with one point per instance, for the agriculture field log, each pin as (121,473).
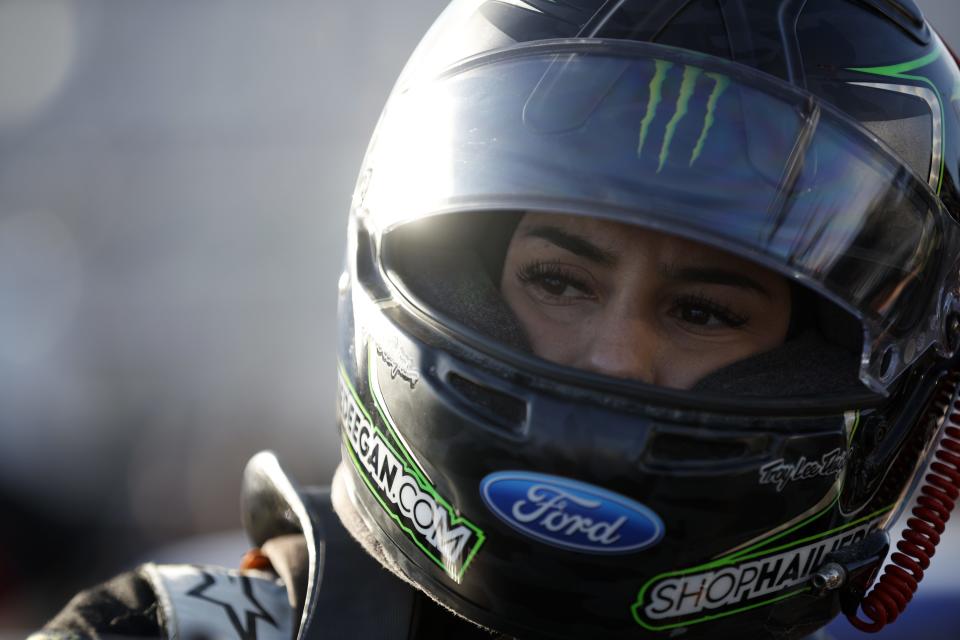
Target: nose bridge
(625,345)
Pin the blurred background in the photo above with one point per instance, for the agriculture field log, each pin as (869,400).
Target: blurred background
(174,183)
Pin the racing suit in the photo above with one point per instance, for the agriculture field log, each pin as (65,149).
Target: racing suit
(308,579)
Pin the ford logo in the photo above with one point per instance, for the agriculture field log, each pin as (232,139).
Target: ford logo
(570,514)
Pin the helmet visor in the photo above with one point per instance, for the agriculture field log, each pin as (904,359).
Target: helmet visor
(687,145)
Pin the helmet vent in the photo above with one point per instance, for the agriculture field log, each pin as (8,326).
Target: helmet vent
(677,451)
(906,14)
(367,274)
(496,408)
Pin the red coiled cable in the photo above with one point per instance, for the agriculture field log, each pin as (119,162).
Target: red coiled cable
(938,495)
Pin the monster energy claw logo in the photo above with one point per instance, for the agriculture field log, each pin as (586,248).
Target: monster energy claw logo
(688,86)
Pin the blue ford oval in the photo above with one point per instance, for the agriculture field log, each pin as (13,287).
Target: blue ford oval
(570,514)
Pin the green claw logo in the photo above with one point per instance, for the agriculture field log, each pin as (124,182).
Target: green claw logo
(688,86)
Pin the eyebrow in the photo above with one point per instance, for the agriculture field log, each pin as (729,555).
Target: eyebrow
(573,243)
(580,246)
(712,275)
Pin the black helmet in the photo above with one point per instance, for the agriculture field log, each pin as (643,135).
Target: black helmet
(817,139)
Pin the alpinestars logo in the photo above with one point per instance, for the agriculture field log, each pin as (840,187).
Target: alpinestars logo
(717,83)
(447,538)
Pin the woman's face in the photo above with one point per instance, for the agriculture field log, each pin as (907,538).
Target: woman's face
(632,303)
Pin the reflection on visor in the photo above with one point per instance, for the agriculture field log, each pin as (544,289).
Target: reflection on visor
(686,144)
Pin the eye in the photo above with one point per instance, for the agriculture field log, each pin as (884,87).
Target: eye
(555,286)
(554,283)
(702,312)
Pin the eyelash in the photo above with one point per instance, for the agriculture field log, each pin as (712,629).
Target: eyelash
(537,273)
(723,313)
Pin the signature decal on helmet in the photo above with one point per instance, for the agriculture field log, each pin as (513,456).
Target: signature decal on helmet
(447,538)
(570,514)
(780,473)
(742,581)
(399,363)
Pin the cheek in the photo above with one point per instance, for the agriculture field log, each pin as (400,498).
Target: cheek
(683,366)
(773,323)
(549,338)
(682,369)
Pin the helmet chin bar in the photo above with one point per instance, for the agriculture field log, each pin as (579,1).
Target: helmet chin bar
(852,569)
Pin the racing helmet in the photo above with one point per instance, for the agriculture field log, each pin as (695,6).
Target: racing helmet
(817,139)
